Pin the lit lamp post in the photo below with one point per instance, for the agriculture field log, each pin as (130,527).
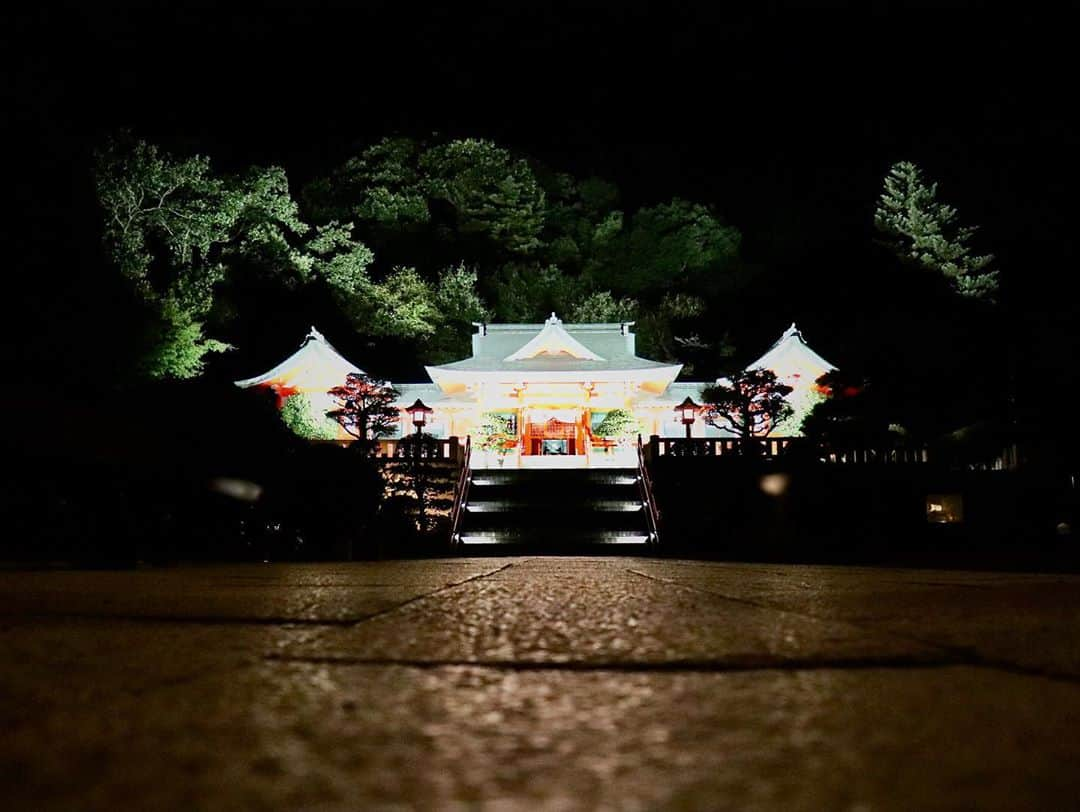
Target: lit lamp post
(688,411)
(419,414)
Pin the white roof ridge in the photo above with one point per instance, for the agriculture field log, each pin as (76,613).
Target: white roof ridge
(553,336)
(314,352)
(792,333)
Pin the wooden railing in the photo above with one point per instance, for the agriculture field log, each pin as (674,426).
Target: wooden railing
(647,497)
(461,491)
(772,447)
(449,448)
(709,447)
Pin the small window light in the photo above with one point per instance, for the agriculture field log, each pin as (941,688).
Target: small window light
(944,508)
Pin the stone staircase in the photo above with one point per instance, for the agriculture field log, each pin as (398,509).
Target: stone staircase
(554,511)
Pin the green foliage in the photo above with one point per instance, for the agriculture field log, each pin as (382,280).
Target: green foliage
(174,230)
(538,241)
(490,191)
(601,307)
(802,403)
(618,423)
(404,306)
(495,434)
(299,414)
(179,345)
(923,231)
(458,306)
(341,261)
(380,187)
(598,196)
(579,220)
(530,293)
(677,243)
(750,403)
(464,215)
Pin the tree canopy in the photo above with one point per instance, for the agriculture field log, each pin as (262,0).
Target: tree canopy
(922,230)
(365,408)
(749,403)
(174,230)
(535,240)
(413,240)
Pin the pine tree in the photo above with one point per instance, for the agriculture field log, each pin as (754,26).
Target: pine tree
(922,230)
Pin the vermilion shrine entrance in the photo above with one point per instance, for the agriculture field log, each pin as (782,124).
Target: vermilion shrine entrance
(559,432)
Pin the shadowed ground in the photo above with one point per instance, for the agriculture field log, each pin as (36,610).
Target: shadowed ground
(538,683)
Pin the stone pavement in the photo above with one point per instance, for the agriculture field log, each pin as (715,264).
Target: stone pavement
(572,683)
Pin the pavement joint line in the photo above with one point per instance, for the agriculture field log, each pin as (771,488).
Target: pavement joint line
(744,601)
(962,655)
(718,666)
(433,593)
(966,653)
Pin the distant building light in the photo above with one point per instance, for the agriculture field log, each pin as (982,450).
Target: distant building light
(944,508)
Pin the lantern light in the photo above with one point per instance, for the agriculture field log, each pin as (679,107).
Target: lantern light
(419,413)
(688,410)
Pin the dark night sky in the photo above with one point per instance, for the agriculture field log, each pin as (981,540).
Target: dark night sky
(785,119)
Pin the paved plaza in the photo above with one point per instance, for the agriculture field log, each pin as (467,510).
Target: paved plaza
(539,683)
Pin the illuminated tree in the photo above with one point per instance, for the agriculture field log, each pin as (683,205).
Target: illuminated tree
(749,404)
(618,424)
(301,416)
(467,187)
(365,409)
(178,232)
(537,241)
(402,305)
(457,305)
(602,307)
(489,190)
(379,186)
(495,435)
(923,231)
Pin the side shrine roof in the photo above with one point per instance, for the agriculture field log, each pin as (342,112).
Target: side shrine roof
(552,350)
(315,367)
(791,356)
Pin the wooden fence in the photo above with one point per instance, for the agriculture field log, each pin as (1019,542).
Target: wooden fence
(775,447)
(450,449)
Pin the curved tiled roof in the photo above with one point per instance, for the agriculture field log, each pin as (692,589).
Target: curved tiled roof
(315,367)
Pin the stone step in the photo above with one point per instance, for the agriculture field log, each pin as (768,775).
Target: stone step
(587,504)
(553,520)
(552,492)
(544,511)
(569,477)
(523,541)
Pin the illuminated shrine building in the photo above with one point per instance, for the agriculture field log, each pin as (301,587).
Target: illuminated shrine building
(555,383)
